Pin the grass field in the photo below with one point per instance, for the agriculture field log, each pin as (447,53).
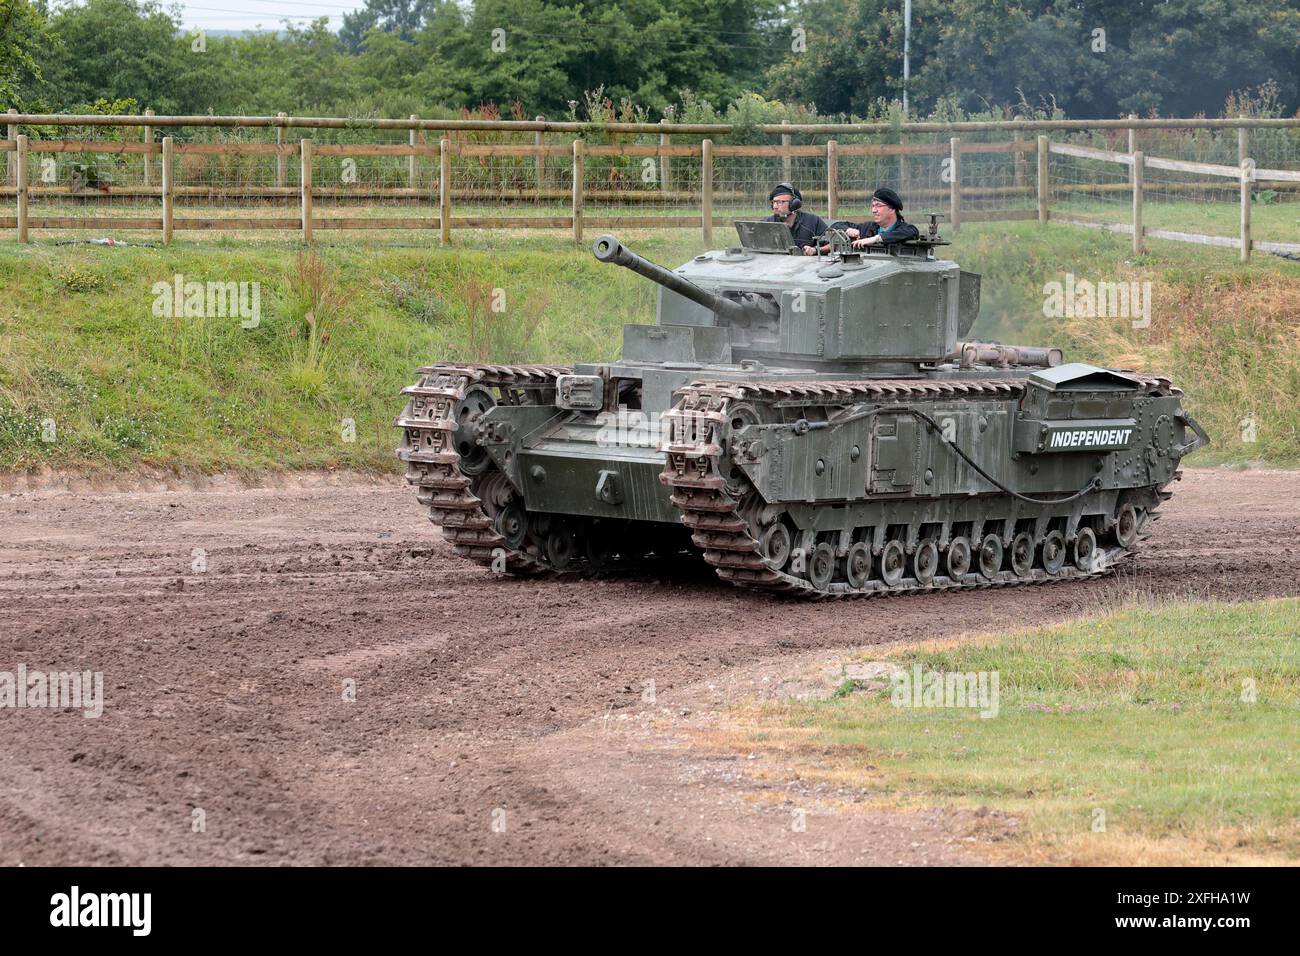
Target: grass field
(86,362)
(1275,221)
(1152,734)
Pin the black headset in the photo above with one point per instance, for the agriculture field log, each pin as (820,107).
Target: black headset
(796,198)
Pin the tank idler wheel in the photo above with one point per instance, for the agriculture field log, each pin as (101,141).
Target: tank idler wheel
(1053,552)
(958,562)
(1085,549)
(1022,554)
(925,562)
(512,524)
(821,566)
(776,546)
(857,565)
(990,556)
(1126,526)
(560,547)
(893,561)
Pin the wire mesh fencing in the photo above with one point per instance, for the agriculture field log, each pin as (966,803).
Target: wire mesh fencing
(294,181)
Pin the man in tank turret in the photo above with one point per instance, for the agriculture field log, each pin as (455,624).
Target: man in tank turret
(887,225)
(805,226)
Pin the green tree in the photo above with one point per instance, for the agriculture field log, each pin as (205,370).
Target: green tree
(400,17)
(1092,58)
(116,49)
(24,36)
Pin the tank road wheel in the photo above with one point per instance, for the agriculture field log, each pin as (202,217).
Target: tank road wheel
(560,547)
(821,566)
(1126,527)
(776,546)
(1022,554)
(958,562)
(1085,546)
(474,459)
(990,556)
(893,561)
(598,545)
(1053,552)
(512,524)
(925,562)
(857,565)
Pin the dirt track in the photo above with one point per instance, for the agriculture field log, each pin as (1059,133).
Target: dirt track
(474,695)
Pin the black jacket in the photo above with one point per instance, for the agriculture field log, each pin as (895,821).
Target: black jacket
(806,226)
(900,231)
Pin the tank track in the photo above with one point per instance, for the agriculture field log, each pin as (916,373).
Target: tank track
(463,504)
(718,509)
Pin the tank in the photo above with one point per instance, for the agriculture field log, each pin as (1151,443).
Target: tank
(815,425)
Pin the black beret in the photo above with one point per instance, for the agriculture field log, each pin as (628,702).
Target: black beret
(889,198)
(781,189)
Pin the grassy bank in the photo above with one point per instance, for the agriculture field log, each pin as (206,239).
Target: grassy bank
(1159,734)
(91,375)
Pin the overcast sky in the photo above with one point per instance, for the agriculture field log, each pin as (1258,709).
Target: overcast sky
(249,14)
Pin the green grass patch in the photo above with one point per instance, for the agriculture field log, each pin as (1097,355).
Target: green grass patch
(86,360)
(1179,721)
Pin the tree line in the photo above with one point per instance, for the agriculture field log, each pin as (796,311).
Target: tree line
(653,58)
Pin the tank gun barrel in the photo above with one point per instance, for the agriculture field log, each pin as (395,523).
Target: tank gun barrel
(608,249)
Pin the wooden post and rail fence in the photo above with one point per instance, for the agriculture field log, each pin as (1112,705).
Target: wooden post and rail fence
(19,149)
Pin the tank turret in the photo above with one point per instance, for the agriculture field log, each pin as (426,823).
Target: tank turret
(889,310)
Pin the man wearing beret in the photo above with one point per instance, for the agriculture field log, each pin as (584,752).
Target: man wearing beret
(804,226)
(887,225)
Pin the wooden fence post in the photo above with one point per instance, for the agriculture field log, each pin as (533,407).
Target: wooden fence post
(444,190)
(954,202)
(411,160)
(1018,163)
(1246,177)
(21,185)
(539,141)
(785,154)
(279,157)
(832,180)
(147,137)
(665,162)
(903,186)
(1042,179)
(577,190)
(167,189)
(305,149)
(1132,135)
(706,190)
(10,158)
(1243,147)
(1139,162)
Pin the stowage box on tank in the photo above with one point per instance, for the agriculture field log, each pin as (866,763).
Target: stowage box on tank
(810,424)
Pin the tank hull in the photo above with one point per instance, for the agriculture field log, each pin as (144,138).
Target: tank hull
(798,481)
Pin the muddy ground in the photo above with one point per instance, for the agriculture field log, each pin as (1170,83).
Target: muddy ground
(494,720)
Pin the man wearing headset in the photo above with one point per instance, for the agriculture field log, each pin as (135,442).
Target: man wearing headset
(804,226)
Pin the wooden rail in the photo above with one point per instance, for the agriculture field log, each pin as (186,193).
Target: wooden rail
(962,197)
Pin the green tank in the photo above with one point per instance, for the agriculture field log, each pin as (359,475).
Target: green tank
(818,425)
